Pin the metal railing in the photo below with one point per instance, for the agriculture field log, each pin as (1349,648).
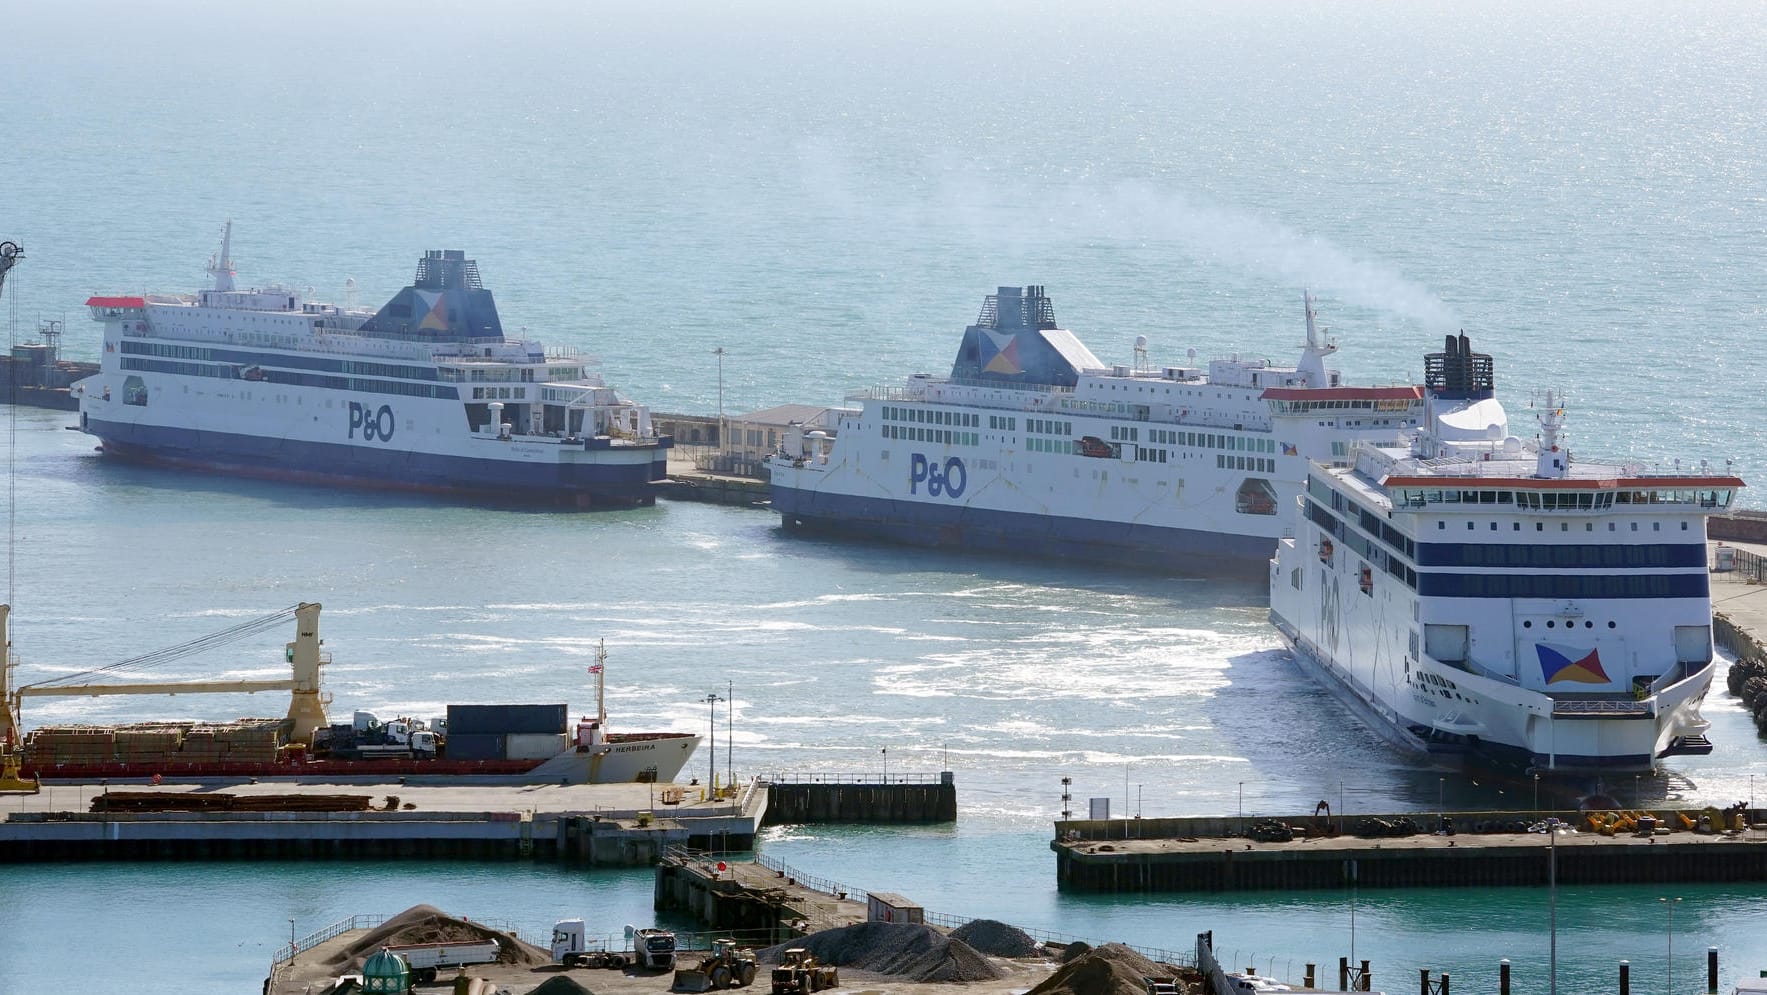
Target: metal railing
(799,777)
(813,882)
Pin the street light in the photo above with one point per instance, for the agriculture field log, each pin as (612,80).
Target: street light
(1441,807)
(719,352)
(1670,904)
(729,731)
(1242,808)
(1536,792)
(1552,885)
(712,700)
(885,753)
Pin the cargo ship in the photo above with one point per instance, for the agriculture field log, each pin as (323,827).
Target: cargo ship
(518,743)
(426,394)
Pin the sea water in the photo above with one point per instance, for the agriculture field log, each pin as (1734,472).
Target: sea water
(827,192)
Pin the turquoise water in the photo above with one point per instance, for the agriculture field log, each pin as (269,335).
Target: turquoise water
(827,192)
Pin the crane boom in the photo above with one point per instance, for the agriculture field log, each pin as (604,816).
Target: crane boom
(196,687)
(306,707)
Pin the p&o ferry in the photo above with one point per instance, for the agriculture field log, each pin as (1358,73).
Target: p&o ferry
(1033,445)
(424,394)
(1488,599)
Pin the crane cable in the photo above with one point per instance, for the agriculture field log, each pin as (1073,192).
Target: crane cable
(160,657)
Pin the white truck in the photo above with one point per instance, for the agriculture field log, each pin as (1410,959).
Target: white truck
(425,958)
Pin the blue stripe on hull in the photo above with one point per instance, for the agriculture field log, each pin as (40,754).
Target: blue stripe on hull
(953,525)
(583,485)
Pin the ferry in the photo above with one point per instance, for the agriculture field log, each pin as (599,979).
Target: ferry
(1486,599)
(425,394)
(519,744)
(1033,445)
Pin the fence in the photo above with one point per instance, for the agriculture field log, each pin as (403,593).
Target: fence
(798,777)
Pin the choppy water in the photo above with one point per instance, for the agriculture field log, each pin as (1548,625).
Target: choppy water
(827,192)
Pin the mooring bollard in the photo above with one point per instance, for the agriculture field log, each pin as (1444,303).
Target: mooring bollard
(1367,977)
(1503,976)
(1308,983)
(1712,970)
(1625,978)
(1444,983)
(1344,974)
(1423,981)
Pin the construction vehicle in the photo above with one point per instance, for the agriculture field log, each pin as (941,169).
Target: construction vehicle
(366,737)
(727,966)
(570,947)
(798,973)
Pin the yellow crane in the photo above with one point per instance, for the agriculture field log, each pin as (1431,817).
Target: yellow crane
(306,708)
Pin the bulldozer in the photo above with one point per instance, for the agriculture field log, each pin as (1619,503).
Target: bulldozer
(727,966)
(798,974)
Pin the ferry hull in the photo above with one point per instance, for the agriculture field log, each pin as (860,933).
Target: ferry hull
(957,526)
(632,481)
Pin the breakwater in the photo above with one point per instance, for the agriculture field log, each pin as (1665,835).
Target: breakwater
(821,798)
(1201,855)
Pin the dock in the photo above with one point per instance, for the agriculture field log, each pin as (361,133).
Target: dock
(1135,855)
(597,824)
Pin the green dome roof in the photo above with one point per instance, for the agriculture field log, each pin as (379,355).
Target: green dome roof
(385,972)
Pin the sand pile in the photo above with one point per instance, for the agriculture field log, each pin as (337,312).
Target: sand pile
(428,924)
(906,950)
(997,939)
(1111,969)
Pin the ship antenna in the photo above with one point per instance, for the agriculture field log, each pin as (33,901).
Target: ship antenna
(221,267)
(1313,353)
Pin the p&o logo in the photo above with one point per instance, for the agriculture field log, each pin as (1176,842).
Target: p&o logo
(376,426)
(942,480)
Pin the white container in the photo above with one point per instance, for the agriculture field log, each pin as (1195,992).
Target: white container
(533,745)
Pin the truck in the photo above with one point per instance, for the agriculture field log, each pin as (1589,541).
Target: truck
(365,737)
(425,958)
(653,949)
(798,973)
(1162,986)
(571,947)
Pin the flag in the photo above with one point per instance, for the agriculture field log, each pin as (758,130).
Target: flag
(595,669)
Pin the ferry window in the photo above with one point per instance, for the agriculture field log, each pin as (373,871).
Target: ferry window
(1469,526)
(1518,527)
(1656,526)
(1441,525)
(1493,526)
(1564,526)
(1635,526)
(1610,526)
(1684,526)
(1589,526)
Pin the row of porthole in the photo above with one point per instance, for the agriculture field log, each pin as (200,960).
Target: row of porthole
(1529,624)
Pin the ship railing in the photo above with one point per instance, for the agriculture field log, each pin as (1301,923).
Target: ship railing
(1603,706)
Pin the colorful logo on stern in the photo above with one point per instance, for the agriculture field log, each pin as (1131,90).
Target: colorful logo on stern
(1561,663)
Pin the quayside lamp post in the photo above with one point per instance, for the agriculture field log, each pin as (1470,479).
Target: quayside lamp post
(1669,904)
(722,445)
(712,700)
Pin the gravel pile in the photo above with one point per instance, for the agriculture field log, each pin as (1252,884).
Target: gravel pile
(912,952)
(428,924)
(998,939)
(1111,969)
(560,985)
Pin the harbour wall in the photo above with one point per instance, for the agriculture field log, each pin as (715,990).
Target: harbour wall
(1098,857)
(846,798)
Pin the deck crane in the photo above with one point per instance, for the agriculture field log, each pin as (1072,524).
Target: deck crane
(306,708)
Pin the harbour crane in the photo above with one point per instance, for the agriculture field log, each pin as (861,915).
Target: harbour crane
(306,708)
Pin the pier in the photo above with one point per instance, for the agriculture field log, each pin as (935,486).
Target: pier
(598,825)
(820,798)
(1134,855)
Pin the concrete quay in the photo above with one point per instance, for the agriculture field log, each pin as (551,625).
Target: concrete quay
(1200,855)
(606,824)
(689,483)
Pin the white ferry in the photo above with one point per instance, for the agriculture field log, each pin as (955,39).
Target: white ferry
(1032,445)
(1478,595)
(424,394)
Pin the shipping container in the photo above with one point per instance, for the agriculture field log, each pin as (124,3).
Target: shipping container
(533,745)
(474,747)
(485,720)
